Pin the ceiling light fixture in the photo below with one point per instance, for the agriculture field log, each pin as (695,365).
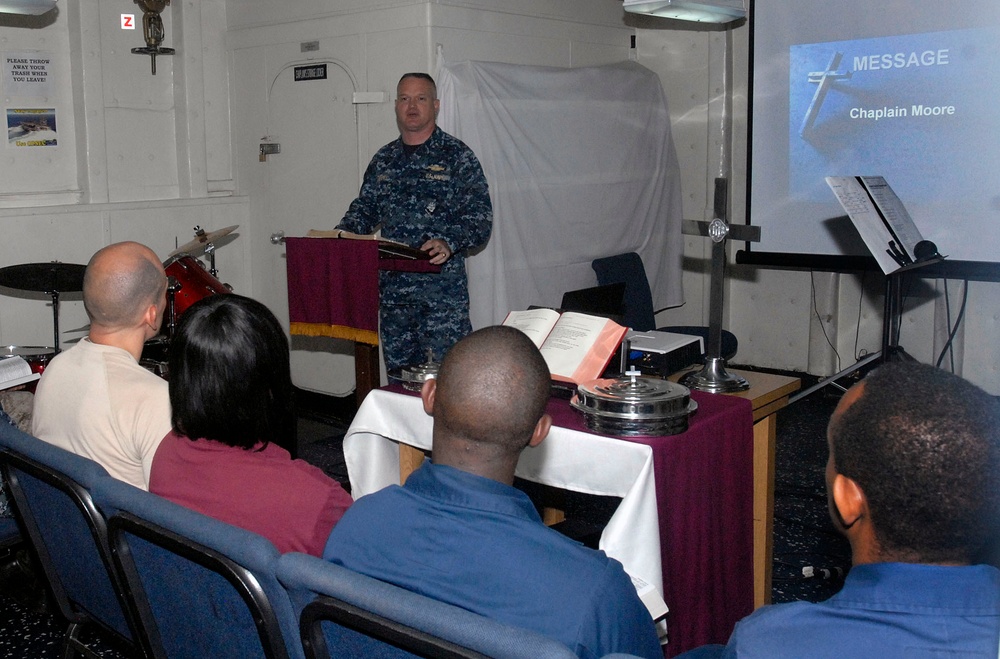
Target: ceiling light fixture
(702,11)
(26,7)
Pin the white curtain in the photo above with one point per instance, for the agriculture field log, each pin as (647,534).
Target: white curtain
(580,164)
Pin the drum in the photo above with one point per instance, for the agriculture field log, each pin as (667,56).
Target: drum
(155,357)
(194,280)
(36,356)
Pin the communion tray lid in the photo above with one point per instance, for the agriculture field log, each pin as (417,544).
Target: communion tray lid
(634,405)
(413,377)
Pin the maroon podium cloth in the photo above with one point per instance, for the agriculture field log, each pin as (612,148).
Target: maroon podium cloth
(333,286)
(704,500)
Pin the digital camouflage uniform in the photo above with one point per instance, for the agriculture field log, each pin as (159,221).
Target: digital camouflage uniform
(438,191)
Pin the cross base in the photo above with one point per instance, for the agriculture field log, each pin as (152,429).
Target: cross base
(714,378)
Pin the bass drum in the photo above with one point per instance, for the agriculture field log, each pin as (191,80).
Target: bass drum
(156,357)
(193,280)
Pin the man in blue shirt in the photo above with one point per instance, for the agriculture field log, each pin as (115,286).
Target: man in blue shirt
(458,531)
(427,190)
(913,482)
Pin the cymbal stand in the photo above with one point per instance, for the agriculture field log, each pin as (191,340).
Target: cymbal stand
(210,251)
(55,319)
(172,288)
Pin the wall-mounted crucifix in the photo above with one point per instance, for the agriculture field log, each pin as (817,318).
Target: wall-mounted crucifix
(714,377)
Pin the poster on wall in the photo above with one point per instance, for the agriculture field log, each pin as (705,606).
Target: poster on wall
(31,127)
(27,74)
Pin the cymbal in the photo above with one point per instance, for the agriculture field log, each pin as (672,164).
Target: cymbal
(53,277)
(196,246)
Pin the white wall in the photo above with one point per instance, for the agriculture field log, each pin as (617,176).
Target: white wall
(375,45)
(148,157)
(139,157)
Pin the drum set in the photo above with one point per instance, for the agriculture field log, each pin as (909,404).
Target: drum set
(188,281)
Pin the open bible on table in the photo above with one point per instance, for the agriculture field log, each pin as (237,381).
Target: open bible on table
(577,347)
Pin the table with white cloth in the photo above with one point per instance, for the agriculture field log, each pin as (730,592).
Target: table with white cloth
(685,520)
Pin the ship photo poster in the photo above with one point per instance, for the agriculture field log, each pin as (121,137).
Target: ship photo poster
(31,127)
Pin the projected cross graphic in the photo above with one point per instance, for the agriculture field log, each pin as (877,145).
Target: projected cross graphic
(824,80)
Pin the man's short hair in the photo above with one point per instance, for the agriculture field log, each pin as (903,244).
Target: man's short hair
(117,297)
(230,378)
(924,445)
(492,388)
(420,76)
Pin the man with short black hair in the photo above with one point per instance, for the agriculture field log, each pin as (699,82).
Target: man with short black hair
(95,399)
(913,482)
(458,531)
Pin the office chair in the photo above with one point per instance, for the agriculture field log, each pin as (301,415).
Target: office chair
(639,313)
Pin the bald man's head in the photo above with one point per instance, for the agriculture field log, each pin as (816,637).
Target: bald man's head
(120,283)
(492,389)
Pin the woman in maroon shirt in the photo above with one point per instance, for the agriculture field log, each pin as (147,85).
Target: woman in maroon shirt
(232,411)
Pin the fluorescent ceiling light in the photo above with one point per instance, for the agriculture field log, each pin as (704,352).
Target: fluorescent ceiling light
(704,11)
(30,7)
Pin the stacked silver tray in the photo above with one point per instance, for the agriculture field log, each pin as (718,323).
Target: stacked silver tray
(634,405)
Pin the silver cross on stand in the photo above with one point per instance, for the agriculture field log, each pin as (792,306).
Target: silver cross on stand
(713,377)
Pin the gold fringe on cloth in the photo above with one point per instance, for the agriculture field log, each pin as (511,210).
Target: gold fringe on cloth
(335,332)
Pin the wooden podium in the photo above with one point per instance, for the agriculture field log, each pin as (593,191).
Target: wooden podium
(333,292)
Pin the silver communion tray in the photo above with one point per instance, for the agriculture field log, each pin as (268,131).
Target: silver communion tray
(634,405)
(413,377)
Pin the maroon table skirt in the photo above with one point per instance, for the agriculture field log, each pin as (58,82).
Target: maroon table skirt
(704,498)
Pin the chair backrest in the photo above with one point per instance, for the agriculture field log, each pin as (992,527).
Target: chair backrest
(51,492)
(638,301)
(199,587)
(10,534)
(356,615)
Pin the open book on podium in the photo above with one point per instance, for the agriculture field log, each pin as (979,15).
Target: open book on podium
(577,347)
(883,222)
(387,249)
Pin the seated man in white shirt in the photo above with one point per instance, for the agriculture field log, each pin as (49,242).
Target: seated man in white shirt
(95,399)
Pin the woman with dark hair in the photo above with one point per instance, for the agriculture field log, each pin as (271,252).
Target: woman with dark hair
(231,399)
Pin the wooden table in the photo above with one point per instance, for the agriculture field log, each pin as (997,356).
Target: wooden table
(768,393)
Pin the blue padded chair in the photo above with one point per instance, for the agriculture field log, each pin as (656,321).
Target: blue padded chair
(198,586)
(639,313)
(51,494)
(10,535)
(347,614)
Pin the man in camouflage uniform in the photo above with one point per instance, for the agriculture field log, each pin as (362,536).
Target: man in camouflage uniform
(425,189)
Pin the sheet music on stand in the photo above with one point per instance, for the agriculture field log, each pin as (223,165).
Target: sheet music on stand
(883,222)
